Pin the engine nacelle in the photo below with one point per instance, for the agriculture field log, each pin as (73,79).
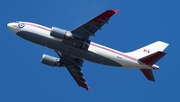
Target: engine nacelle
(51,61)
(60,33)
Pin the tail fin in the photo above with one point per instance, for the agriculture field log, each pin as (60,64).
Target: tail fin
(148,50)
(149,55)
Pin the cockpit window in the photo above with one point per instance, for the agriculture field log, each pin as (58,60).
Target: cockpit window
(16,22)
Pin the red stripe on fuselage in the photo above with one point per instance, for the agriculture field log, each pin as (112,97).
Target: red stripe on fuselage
(38,26)
(113,51)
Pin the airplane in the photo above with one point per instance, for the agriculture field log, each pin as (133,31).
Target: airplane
(73,47)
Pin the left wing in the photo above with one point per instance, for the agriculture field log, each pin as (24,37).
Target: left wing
(77,74)
(89,28)
(73,65)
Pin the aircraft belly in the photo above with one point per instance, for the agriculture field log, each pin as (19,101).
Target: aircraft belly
(103,57)
(47,42)
(100,59)
(57,45)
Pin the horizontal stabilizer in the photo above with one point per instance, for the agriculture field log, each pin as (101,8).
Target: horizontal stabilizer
(148,73)
(152,58)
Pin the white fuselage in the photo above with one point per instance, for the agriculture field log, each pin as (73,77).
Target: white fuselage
(96,53)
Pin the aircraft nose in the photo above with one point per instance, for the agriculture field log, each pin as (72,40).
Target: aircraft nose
(11,27)
(7,25)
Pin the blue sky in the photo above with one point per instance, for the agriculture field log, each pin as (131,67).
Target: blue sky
(139,22)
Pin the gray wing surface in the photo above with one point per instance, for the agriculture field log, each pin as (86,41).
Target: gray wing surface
(82,33)
(73,65)
(77,74)
(90,27)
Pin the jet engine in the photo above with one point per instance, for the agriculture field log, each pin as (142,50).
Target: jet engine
(51,61)
(60,33)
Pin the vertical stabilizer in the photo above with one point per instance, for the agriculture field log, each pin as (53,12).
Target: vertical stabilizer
(148,50)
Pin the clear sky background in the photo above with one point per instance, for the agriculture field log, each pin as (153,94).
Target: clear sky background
(139,22)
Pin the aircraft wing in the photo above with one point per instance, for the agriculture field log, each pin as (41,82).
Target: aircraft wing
(73,65)
(77,75)
(90,27)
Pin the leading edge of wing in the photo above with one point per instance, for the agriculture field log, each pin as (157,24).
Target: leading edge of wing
(73,65)
(92,26)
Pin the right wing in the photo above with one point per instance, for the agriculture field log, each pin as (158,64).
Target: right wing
(81,34)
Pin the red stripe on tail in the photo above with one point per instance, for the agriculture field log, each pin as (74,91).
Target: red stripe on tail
(152,58)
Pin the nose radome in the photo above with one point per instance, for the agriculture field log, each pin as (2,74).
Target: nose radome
(10,27)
